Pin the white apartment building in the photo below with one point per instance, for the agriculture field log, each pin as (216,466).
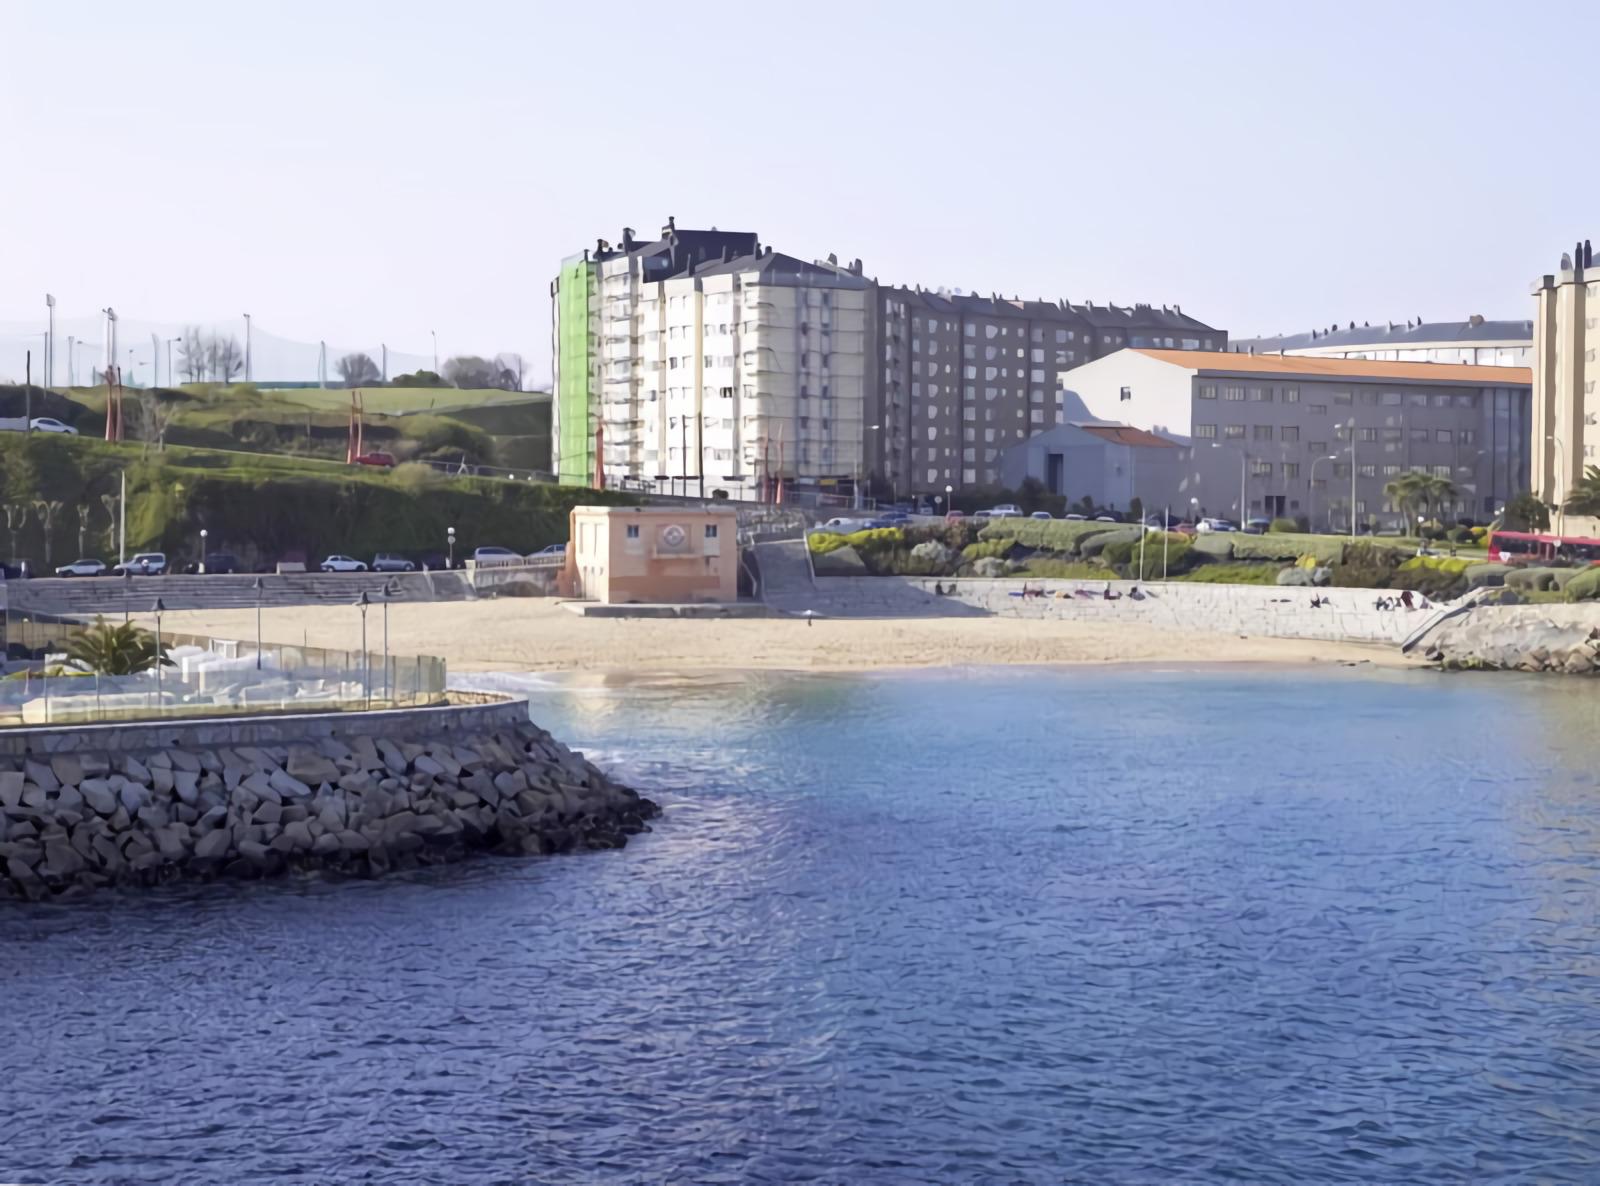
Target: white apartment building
(1566,404)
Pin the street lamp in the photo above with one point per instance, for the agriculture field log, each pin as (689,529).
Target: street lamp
(203,534)
(1351,425)
(1314,464)
(391,589)
(247,371)
(259,586)
(1244,462)
(127,590)
(170,373)
(362,603)
(856,484)
(158,609)
(949,499)
(450,547)
(435,334)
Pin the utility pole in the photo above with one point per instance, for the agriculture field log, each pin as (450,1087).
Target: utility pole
(322,365)
(383,347)
(111,341)
(435,334)
(155,362)
(72,358)
(27,394)
(247,347)
(1352,477)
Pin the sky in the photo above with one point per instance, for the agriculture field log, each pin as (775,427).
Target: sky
(377,172)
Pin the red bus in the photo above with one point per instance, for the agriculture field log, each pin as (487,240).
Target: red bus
(1524,547)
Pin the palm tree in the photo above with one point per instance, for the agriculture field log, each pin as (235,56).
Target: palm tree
(1437,492)
(1407,492)
(124,649)
(1584,497)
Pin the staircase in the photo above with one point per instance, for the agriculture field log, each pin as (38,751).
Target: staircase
(88,596)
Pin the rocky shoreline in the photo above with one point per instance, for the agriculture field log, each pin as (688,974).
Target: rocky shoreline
(71,822)
(1561,639)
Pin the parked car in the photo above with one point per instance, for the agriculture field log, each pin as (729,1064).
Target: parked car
(954,516)
(1185,528)
(222,563)
(1006,510)
(895,519)
(144,564)
(342,564)
(382,460)
(1046,515)
(842,525)
(490,557)
(552,550)
(392,562)
(51,424)
(1257,526)
(1209,525)
(82,568)
(1076,518)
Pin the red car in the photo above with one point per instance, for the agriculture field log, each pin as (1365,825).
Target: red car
(383,460)
(954,516)
(1184,529)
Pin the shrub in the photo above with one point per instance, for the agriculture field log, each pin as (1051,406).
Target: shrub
(1485,576)
(1288,548)
(1233,574)
(1371,555)
(988,549)
(1123,554)
(1433,582)
(821,543)
(1454,565)
(1054,535)
(1284,527)
(1093,545)
(954,536)
(414,475)
(1585,586)
(1362,576)
(1527,579)
(1218,545)
(843,561)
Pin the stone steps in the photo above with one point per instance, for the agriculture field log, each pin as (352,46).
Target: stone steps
(89,596)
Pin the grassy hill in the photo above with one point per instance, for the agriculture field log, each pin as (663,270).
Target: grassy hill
(260,507)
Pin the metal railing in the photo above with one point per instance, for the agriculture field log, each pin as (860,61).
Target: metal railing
(208,677)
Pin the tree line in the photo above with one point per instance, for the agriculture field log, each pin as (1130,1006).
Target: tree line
(468,371)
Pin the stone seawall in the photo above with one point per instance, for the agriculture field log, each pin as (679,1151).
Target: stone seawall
(1558,638)
(358,794)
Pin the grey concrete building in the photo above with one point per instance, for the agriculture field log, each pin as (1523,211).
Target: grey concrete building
(1566,368)
(960,378)
(1109,464)
(1280,436)
(1476,341)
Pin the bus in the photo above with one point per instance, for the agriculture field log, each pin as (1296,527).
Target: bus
(1525,547)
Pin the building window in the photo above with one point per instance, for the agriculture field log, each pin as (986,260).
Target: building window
(1317,409)
(1291,395)
(1261,432)
(989,331)
(1036,377)
(1341,399)
(1465,400)
(1291,469)
(1289,432)
(1392,434)
(1207,391)
(1261,395)
(1261,469)
(1367,434)
(1233,432)
(1469,436)
(1442,435)
(1061,335)
(1233,394)
(1369,398)
(1391,399)
(1419,434)
(1417,399)
(1368,471)
(1205,432)
(1441,401)
(633,531)
(1391,471)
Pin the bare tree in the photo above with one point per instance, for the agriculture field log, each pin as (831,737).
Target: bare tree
(16,520)
(155,417)
(47,510)
(194,353)
(469,372)
(228,358)
(83,527)
(358,370)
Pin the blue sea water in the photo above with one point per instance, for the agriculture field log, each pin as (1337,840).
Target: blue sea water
(1105,925)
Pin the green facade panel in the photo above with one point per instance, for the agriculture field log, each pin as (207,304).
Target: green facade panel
(574,397)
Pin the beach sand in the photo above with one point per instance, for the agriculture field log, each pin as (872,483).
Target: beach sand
(517,635)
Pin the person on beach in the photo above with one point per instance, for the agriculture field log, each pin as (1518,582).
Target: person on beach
(1406,600)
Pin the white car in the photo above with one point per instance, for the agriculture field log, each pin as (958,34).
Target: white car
(145,564)
(1206,525)
(842,526)
(342,564)
(83,568)
(1075,517)
(51,424)
(495,557)
(1006,510)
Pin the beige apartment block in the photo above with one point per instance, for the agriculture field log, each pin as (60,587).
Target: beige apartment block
(652,555)
(1566,405)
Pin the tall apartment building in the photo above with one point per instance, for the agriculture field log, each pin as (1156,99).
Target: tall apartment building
(1566,405)
(964,377)
(701,361)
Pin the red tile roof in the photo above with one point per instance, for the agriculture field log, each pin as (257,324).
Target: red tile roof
(1121,434)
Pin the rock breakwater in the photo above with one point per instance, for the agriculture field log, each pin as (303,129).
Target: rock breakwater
(1560,639)
(74,821)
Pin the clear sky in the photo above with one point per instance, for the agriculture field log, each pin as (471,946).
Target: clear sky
(363,171)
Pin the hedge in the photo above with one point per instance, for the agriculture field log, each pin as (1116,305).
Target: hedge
(1054,535)
(1048,567)
(1485,576)
(1585,586)
(1524,579)
(1454,565)
(988,549)
(1288,547)
(1233,574)
(1216,544)
(1093,545)
(821,543)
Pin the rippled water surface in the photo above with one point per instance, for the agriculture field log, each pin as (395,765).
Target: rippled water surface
(1028,926)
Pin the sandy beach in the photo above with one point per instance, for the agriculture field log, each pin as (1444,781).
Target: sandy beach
(537,635)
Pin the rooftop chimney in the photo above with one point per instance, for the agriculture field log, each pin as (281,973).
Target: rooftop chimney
(672,225)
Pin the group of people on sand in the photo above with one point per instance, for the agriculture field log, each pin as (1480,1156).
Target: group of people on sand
(1406,600)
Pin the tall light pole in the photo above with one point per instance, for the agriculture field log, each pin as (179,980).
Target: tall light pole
(1244,463)
(158,609)
(1352,427)
(203,534)
(111,341)
(390,589)
(1314,464)
(171,374)
(50,342)
(435,334)
(450,544)
(856,485)
(949,500)
(258,585)
(366,660)
(247,347)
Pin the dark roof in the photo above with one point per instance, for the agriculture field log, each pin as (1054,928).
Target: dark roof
(775,263)
(1474,329)
(1107,316)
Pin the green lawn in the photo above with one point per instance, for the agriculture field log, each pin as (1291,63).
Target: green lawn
(400,401)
